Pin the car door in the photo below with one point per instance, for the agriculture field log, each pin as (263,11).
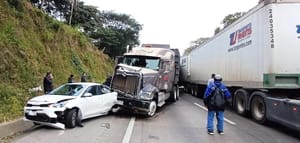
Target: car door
(108,98)
(89,104)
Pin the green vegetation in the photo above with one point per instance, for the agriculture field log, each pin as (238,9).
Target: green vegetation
(31,44)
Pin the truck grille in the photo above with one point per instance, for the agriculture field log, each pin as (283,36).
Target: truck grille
(127,84)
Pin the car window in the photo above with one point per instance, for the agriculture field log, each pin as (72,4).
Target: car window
(92,90)
(68,89)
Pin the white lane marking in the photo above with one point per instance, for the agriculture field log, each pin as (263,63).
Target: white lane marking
(225,119)
(128,133)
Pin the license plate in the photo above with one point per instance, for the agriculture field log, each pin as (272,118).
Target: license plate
(32,113)
(119,102)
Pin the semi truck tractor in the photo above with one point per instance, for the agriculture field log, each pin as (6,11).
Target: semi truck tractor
(258,57)
(146,77)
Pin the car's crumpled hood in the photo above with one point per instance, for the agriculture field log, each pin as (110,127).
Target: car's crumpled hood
(47,99)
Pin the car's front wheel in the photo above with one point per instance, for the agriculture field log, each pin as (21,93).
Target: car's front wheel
(71,118)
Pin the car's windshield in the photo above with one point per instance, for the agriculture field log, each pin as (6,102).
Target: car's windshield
(142,61)
(67,89)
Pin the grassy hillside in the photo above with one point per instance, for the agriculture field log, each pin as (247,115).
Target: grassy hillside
(31,44)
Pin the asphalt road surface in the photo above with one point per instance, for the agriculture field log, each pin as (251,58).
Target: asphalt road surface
(181,122)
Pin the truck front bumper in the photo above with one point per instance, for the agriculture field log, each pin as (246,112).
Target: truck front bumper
(137,106)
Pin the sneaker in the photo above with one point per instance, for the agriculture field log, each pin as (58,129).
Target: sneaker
(221,132)
(210,133)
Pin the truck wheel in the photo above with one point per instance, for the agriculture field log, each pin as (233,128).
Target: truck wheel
(258,109)
(175,94)
(71,118)
(152,109)
(240,101)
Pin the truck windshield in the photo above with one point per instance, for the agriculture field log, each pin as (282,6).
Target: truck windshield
(141,61)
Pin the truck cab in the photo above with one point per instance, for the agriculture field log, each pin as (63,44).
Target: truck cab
(145,78)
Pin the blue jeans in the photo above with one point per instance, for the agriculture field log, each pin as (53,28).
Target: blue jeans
(210,120)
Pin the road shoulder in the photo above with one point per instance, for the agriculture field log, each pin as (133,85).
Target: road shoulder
(9,129)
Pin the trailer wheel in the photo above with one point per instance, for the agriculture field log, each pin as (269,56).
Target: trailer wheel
(258,108)
(192,91)
(152,108)
(195,91)
(240,101)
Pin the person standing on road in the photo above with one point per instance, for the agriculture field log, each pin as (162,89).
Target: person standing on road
(215,97)
(48,82)
(211,80)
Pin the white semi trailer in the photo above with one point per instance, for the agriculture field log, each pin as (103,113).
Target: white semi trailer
(258,57)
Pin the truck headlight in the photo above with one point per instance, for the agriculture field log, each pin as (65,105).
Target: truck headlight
(146,95)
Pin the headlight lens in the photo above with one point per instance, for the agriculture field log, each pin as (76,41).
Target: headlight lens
(58,105)
(146,95)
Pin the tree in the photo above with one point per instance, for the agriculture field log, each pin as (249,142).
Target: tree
(229,19)
(118,31)
(217,30)
(54,8)
(86,17)
(195,44)
(111,32)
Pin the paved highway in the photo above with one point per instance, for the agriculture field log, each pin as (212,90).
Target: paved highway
(180,122)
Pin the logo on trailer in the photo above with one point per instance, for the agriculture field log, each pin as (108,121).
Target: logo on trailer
(298,31)
(240,34)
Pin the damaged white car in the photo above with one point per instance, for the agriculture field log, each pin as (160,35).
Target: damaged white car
(70,103)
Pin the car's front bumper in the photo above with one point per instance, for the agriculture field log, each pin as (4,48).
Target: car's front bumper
(45,115)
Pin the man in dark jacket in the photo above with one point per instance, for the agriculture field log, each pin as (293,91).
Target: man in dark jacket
(48,83)
(71,78)
(213,109)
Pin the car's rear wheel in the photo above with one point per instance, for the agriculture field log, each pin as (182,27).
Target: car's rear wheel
(71,118)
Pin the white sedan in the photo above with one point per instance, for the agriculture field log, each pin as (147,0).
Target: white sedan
(69,104)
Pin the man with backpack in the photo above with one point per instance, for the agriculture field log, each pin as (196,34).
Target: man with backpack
(215,97)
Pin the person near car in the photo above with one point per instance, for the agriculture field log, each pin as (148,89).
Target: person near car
(48,82)
(71,78)
(83,77)
(211,80)
(213,109)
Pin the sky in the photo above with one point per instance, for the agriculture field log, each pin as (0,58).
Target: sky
(175,22)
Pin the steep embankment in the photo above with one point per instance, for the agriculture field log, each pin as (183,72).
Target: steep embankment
(31,44)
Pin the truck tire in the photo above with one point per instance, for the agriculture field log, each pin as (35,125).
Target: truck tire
(258,107)
(175,94)
(240,101)
(152,109)
(71,118)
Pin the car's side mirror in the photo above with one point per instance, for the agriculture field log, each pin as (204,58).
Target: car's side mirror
(87,94)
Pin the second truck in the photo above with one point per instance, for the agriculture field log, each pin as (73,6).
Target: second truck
(258,57)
